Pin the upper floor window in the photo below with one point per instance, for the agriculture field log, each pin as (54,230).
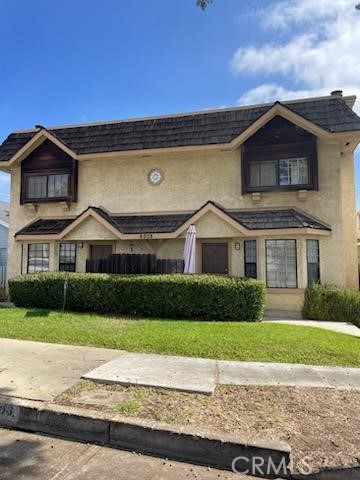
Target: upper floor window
(48,174)
(279,156)
(286,171)
(46,186)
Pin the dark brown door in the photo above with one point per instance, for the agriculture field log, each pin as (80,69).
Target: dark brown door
(215,258)
(100,251)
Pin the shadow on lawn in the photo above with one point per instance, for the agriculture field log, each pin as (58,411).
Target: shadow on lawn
(37,313)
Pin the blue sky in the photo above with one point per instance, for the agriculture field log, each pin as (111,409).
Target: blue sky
(81,61)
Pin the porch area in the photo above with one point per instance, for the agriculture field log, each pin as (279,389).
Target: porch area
(284,248)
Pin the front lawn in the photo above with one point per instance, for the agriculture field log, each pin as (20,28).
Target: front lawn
(263,342)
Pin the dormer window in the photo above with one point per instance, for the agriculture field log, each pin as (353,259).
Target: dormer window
(41,187)
(48,175)
(279,156)
(285,171)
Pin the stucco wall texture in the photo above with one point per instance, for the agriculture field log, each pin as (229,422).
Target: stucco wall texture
(120,185)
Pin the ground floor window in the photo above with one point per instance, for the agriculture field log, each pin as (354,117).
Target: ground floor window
(250,258)
(38,257)
(281,265)
(67,257)
(313,262)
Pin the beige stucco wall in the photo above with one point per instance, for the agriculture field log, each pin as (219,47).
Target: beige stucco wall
(120,185)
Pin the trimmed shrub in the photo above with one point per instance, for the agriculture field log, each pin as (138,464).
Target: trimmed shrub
(210,297)
(323,302)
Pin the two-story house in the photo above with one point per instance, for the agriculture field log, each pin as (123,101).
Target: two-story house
(270,189)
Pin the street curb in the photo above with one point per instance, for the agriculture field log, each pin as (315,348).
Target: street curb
(143,437)
(148,437)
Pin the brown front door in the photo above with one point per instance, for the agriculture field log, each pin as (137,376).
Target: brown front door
(100,251)
(215,258)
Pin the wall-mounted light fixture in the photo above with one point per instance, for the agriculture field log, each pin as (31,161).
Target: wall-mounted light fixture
(237,245)
(80,244)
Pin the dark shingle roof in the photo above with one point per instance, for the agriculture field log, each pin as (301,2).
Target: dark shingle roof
(205,128)
(46,226)
(145,223)
(267,219)
(167,223)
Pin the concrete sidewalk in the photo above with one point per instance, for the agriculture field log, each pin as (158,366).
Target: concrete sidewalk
(41,371)
(338,327)
(202,375)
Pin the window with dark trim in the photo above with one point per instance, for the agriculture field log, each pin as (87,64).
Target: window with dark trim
(48,174)
(281,264)
(40,187)
(279,156)
(38,257)
(280,172)
(67,257)
(313,261)
(250,258)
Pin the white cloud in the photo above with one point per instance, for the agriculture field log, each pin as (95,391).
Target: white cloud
(284,13)
(269,92)
(325,56)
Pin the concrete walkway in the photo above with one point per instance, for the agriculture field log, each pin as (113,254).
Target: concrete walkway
(41,371)
(339,327)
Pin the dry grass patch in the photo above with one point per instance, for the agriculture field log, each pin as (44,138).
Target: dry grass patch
(321,423)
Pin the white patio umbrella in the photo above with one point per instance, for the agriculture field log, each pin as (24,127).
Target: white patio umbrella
(189,250)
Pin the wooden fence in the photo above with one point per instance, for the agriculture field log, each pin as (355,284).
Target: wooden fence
(134,263)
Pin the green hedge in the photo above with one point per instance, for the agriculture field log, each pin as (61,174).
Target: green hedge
(333,304)
(210,297)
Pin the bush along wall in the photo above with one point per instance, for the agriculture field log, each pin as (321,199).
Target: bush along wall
(209,297)
(330,303)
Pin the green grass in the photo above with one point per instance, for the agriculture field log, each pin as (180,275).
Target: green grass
(264,342)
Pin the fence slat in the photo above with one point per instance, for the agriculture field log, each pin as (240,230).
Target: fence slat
(134,263)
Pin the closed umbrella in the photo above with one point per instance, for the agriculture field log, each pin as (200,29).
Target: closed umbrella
(189,250)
